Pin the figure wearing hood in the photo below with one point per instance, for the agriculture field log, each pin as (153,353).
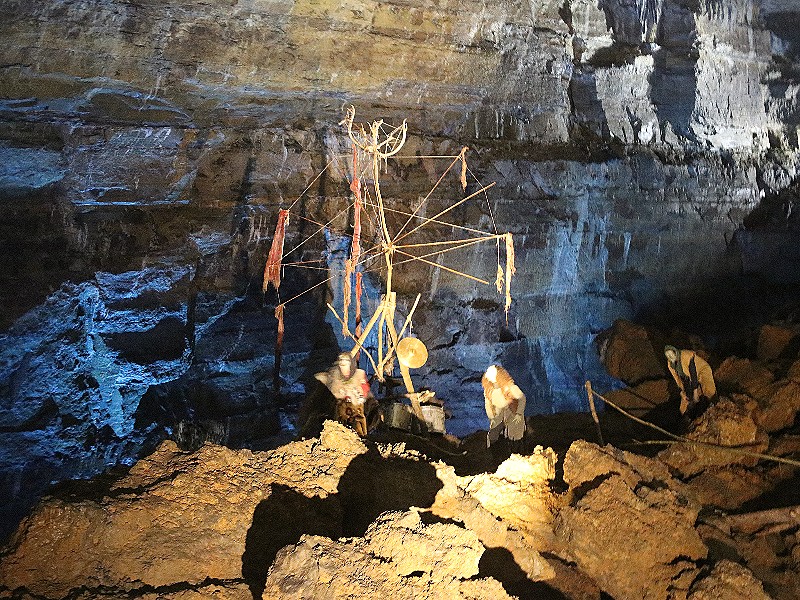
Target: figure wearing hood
(694,377)
(505,405)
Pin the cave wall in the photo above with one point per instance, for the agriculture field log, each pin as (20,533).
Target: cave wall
(145,148)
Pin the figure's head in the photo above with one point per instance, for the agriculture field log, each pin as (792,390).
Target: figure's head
(345,364)
(495,377)
(671,352)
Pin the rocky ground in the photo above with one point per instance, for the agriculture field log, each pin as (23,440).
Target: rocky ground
(398,516)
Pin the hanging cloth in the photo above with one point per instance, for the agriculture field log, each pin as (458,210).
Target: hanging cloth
(355,252)
(510,270)
(272,270)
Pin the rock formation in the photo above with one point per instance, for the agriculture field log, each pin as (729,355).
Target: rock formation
(342,517)
(645,155)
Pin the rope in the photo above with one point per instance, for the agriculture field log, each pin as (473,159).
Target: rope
(680,439)
(412,257)
(322,228)
(448,209)
(425,199)
(308,290)
(464,244)
(451,225)
(308,187)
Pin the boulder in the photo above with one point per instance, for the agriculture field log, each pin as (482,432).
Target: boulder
(728,581)
(630,353)
(773,340)
(518,492)
(399,557)
(742,375)
(510,510)
(183,518)
(794,372)
(723,424)
(627,524)
(642,398)
(778,404)
(728,487)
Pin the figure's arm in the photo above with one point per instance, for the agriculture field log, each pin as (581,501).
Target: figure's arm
(517,403)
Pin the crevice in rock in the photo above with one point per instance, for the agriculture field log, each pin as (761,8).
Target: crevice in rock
(146,590)
(578,492)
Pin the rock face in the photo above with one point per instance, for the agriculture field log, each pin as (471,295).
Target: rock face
(141,140)
(218,515)
(399,557)
(627,526)
(338,517)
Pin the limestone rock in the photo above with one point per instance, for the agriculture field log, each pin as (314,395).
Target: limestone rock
(728,581)
(518,492)
(586,462)
(642,398)
(794,372)
(618,527)
(184,517)
(399,557)
(728,487)
(743,375)
(779,404)
(723,424)
(773,340)
(630,353)
(513,514)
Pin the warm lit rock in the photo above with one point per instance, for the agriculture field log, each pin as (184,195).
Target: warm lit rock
(630,353)
(519,491)
(723,424)
(625,520)
(728,487)
(513,515)
(743,375)
(779,404)
(773,340)
(181,517)
(728,581)
(642,398)
(398,557)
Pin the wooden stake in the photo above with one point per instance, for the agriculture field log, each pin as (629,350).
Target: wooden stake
(590,394)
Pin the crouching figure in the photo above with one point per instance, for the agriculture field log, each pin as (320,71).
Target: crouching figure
(352,393)
(695,380)
(505,405)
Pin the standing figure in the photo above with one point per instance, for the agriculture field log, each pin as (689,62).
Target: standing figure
(694,378)
(350,388)
(505,405)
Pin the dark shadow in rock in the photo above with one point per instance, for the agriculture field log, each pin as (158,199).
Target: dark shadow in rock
(372,485)
(165,341)
(500,564)
(281,520)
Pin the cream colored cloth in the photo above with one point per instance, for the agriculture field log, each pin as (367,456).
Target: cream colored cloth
(505,408)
